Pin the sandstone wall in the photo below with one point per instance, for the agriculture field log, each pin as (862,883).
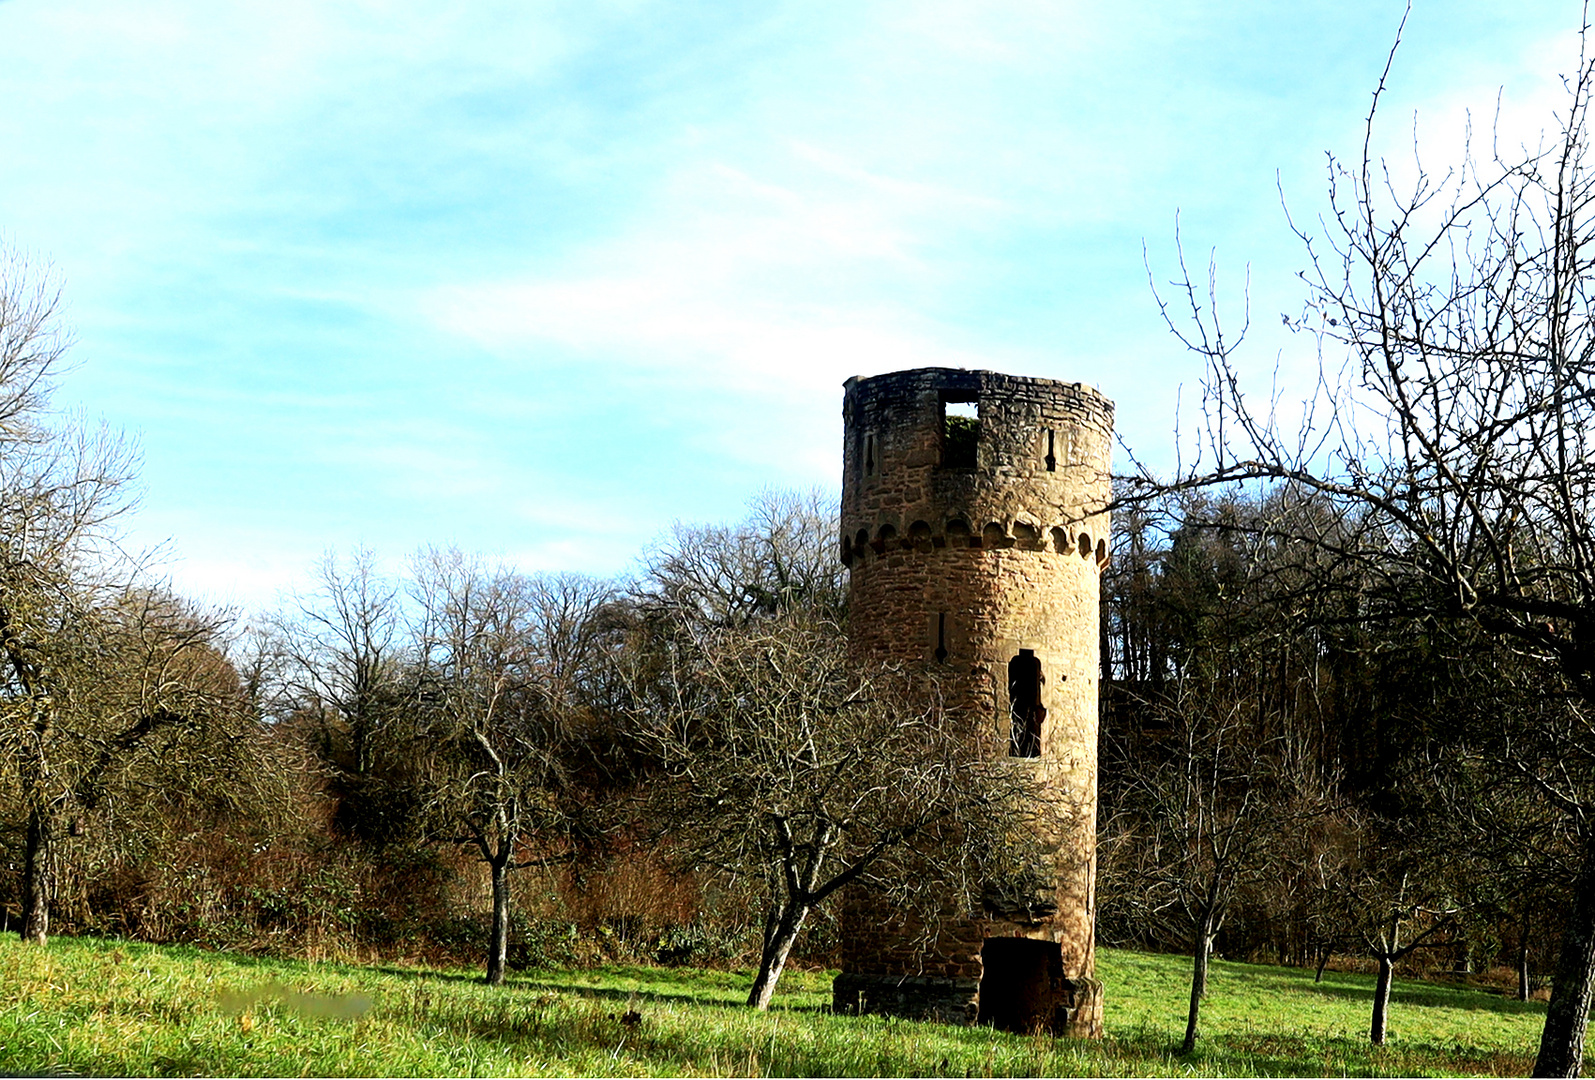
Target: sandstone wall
(961,565)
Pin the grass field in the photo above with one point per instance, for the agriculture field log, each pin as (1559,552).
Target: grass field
(101,1007)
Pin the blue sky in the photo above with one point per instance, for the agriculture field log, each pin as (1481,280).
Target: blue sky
(538,278)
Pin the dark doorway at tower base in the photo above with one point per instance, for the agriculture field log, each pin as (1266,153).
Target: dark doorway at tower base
(1023,989)
(1016,983)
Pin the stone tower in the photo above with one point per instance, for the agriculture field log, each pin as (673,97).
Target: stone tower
(974,527)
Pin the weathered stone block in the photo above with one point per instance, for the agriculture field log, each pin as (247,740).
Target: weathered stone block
(917,997)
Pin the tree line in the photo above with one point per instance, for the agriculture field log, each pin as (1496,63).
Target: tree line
(1300,761)
(1287,773)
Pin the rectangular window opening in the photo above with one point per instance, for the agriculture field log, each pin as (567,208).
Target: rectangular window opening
(960,430)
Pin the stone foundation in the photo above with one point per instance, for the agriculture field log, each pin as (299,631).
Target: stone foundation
(1068,1007)
(915,997)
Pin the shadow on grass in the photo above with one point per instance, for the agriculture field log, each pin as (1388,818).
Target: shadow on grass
(1428,997)
(427,974)
(687,995)
(1292,1055)
(1353,987)
(618,1024)
(649,988)
(131,948)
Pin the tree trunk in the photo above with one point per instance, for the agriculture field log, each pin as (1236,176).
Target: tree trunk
(780,932)
(1203,950)
(1567,1016)
(498,943)
(1381,999)
(1323,962)
(1523,959)
(38,875)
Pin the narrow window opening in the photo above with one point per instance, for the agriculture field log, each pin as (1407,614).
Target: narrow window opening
(960,432)
(1051,458)
(941,637)
(869,454)
(1024,705)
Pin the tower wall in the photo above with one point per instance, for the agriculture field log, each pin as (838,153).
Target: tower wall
(980,556)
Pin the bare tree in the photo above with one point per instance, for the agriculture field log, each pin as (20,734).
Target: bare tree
(99,672)
(1209,809)
(345,650)
(1519,723)
(339,667)
(780,762)
(503,657)
(33,344)
(128,705)
(1458,433)
(779,558)
(1395,898)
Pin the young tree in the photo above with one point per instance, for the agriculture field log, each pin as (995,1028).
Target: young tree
(1520,725)
(1199,804)
(1209,810)
(1223,735)
(503,659)
(1458,439)
(1394,900)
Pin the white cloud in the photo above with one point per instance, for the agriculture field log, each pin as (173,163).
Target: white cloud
(793,281)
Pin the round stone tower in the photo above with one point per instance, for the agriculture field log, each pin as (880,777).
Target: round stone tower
(974,526)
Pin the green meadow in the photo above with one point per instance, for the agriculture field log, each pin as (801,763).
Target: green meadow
(97,1007)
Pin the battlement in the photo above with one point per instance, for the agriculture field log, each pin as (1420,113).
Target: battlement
(938,456)
(922,536)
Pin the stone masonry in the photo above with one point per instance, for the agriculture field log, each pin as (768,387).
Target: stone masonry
(975,545)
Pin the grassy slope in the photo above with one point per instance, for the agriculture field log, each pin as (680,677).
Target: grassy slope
(89,1006)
